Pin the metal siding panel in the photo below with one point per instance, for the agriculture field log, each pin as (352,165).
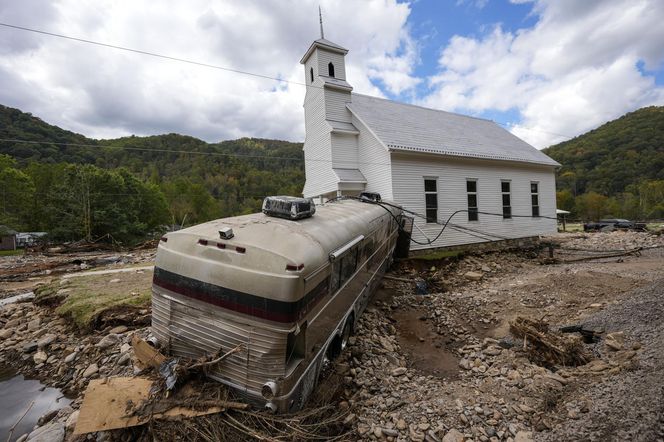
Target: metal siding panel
(190,331)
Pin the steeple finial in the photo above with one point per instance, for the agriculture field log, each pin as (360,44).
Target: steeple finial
(320,17)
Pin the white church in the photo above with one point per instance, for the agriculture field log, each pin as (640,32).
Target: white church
(428,161)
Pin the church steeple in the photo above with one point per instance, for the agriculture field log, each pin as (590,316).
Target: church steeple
(330,133)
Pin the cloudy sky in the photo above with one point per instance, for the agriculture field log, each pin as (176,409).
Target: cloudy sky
(545,69)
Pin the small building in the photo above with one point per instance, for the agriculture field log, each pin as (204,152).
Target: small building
(7,238)
(439,164)
(26,239)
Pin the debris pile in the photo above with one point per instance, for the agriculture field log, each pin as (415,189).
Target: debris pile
(548,348)
(610,241)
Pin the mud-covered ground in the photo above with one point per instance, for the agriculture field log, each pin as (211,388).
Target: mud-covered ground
(441,366)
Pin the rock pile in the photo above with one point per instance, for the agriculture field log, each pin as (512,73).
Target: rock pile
(45,346)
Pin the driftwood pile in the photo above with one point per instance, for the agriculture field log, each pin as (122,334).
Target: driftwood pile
(547,347)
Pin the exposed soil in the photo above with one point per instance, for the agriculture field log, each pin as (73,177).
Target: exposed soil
(426,350)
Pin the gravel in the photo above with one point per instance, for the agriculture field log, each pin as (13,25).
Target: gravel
(628,406)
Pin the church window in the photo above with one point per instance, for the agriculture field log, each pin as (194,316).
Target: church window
(311,73)
(330,69)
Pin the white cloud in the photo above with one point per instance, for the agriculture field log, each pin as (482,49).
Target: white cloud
(103,92)
(575,69)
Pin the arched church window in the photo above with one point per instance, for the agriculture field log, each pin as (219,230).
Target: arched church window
(311,72)
(330,70)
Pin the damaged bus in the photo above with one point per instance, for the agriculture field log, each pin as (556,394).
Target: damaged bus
(284,287)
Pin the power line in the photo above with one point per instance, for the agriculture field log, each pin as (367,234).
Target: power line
(156,55)
(180,151)
(212,66)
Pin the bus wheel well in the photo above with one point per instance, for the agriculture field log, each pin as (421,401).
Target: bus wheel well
(340,341)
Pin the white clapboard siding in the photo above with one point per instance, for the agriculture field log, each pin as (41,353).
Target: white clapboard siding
(312,62)
(374,161)
(335,105)
(408,172)
(320,177)
(326,57)
(344,151)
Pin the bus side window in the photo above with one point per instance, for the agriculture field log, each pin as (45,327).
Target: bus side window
(348,265)
(343,269)
(335,277)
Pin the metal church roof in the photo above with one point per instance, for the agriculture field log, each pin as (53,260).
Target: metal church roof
(349,175)
(406,127)
(324,44)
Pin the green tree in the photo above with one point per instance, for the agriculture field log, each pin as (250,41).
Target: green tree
(591,205)
(565,200)
(16,192)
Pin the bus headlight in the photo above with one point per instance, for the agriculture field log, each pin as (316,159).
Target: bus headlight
(269,390)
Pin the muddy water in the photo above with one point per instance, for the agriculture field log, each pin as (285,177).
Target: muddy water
(16,395)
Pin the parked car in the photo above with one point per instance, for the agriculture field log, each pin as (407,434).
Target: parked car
(613,223)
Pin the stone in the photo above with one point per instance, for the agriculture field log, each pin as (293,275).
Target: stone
(108,341)
(124,358)
(524,436)
(615,341)
(526,409)
(46,340)
(71,420)
(34,324)
(598,365)
(401,424)
(91,370)
(453,435)
(399,371)
(52,432)
(465,364)
(115,280)
(386,344)
(390,432)
(46,418)
(557,378)
(118,330)
(473,276)
(494,350)
(30,347)
(124,348)
(70,357)
(6,333)
(40,357)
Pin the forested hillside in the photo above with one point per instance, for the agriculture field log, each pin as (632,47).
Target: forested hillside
(72,186)
(616,169)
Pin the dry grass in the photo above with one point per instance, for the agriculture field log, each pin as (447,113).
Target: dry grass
(85,298)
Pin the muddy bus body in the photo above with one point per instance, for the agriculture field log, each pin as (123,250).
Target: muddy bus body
(289,293)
